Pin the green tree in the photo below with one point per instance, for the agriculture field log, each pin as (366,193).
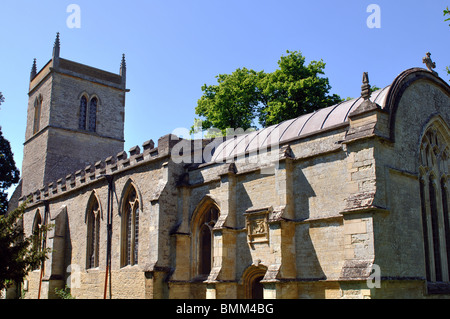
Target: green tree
(447,12)
(294,89)
(241,98)
(232,102)
(9,174)
(18,253)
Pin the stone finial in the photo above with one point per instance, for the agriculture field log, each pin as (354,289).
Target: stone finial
(365,88)
(123,70)
(366,104)
(123,64)
(33,70)
(56,48)
(429,63)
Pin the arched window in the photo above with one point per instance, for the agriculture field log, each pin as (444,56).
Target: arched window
(88,114)
(93,233)
(130,228)
(205,241)
(37,237)
(83,112)
(37,114)
(36,232)
(434,165)
(93,114)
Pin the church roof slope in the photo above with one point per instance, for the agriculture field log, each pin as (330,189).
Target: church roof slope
(320,120)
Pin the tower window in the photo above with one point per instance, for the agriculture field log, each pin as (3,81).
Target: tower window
(83,110)
(93,114)
(88,114)
(37,114)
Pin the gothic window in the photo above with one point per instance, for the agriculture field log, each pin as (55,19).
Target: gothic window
(93,114)
(88,114)
(130,228)
(37,114)
(434,165)
(205,245)
(83,110)
(93,233)
(36,231)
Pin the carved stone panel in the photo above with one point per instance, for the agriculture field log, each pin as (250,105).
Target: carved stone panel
(257,227)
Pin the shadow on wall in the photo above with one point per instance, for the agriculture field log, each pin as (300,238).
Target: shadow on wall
(308,267)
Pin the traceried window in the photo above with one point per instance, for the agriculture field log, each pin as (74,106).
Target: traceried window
(83,111)
(93,114)
(88,114)
(434,166)
(37,114)
(205,239)
(93,233)
(130,228)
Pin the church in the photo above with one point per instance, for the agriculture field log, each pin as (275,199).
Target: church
(350,201)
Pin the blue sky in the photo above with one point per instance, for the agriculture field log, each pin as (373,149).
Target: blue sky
(174,47)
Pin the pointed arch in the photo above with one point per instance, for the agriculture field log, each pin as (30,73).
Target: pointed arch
(83,112)
(37,114)
(37,223)
(92,118)
(36,232)
(131,209)
(433,178)
(203,221)
(92,218)
(251,279)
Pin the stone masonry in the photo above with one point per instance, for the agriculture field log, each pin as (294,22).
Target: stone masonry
(333,211)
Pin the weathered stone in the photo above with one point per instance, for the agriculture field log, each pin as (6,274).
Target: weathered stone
(309,218)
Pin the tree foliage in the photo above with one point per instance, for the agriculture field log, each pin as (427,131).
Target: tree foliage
(447,12)
(9,174)
(241,98)
(294,89)
(18,254)
(232,103)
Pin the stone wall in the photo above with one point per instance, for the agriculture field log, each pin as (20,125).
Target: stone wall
(60,147)
(316,216)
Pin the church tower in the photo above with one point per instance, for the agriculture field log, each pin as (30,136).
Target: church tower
(75,117)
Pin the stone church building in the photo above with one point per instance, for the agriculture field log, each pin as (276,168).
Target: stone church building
(351,201)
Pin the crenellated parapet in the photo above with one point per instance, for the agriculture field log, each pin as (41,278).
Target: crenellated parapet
(137,155)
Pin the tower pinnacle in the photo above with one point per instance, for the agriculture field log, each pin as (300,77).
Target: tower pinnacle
(123,70)
(56,48)
(33,70)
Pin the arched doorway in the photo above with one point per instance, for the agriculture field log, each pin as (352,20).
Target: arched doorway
(257,288)
(252,278)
